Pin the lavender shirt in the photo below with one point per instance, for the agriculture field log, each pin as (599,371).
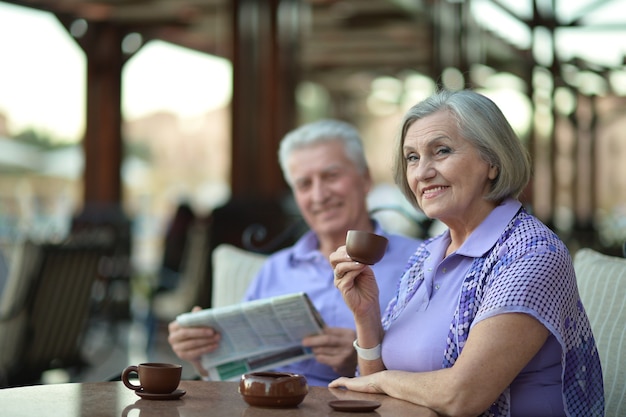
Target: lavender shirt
(302,267)
(510,263)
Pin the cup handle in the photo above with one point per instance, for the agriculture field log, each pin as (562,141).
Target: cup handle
(125,373)
(130,408)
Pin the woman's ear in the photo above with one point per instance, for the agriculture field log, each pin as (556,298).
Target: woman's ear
(493,172)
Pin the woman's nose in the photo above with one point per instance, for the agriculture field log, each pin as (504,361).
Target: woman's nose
(424,170)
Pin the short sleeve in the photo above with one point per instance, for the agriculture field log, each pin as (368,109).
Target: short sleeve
(535,278)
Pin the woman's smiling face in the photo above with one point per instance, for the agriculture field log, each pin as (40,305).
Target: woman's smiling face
(446,173)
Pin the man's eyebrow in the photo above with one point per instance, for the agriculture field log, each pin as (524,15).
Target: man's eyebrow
(333,168)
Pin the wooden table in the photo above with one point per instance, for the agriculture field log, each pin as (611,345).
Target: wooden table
(113,399)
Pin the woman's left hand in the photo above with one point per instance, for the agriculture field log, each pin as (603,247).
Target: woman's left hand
(366,383)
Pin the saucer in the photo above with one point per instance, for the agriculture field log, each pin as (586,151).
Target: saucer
(174,395)
(354,405)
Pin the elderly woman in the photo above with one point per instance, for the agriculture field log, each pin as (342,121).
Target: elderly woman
(487,319)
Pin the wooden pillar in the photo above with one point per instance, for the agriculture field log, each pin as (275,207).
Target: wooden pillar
(103,136)
(263,103)
(103,150)
(102,197)
(585,176)
(449,29)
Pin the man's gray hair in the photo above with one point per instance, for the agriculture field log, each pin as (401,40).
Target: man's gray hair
(324,130)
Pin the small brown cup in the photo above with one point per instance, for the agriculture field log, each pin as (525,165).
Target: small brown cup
(154,378)
(273,389)
(365,247)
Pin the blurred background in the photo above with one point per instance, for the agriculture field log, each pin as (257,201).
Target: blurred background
(128,115)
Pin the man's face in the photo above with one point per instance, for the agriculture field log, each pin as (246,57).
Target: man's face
(328,188)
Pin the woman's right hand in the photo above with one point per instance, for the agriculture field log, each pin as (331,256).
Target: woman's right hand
(356,281)
(190,343)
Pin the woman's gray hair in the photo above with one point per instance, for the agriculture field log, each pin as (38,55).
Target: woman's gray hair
(324,130)
(482,123)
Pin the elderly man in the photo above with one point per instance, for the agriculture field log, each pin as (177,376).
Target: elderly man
(324,164)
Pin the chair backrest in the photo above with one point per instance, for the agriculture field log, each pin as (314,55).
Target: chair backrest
(193,284)
(233,269)
(14,307)
(24,263)
(59,308)
(602,284)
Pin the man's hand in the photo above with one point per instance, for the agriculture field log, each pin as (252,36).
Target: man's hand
(190,343)
(334,348)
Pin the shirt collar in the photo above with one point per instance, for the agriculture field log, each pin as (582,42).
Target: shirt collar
(489,231)
(486,234)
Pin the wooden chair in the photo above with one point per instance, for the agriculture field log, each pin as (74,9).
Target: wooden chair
(192,288)
(233,269)
(168,304)
(25,262)
(602,284)
(57,310)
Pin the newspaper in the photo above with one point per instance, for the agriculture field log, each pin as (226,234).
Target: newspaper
(257,335)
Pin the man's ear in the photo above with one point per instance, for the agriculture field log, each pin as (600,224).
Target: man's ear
(369,183)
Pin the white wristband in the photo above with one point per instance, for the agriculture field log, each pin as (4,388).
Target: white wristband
(367,354)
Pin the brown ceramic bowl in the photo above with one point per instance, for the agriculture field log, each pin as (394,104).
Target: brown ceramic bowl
(273,389)
(365,247)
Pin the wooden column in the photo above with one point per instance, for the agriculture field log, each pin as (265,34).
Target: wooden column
(103,146)
(103,136)
(449,49)
(263,103)
(103,150)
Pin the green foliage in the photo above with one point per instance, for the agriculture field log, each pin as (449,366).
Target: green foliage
(45,141)
(41,140)
(138,150)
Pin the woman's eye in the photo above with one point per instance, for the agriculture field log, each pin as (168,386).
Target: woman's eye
(443,150)
(412,157)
